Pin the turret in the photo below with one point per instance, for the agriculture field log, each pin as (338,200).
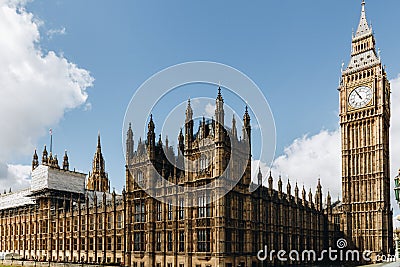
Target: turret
(129,143)
(303,196)
(318,196)
(65,161)
(280,186)
(259,177)
(98,178)
(181,144)
(296,193)
(44,156)
(328,200)
(270,183)
(246,126)
(219,108)
(288,189)
(234,131)
(219,117)
(189,126)
(310,198)
(35,161)
(151,139)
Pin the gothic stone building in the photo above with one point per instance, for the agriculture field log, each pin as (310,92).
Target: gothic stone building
(162,219)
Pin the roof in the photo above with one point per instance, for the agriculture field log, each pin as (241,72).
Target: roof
(363,27)
(17,199)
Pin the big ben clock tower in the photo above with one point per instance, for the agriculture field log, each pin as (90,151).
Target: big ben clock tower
(365,122)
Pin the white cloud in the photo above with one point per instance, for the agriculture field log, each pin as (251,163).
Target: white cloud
(37,88)
(61,31)
(311,157)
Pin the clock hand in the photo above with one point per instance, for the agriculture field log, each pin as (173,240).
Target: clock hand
(358,94)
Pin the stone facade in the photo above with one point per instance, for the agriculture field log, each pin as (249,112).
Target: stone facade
(161,219)
(365,121)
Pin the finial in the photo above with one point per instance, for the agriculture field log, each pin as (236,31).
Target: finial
(98,139)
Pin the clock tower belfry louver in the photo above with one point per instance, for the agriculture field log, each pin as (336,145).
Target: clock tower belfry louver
(365,121)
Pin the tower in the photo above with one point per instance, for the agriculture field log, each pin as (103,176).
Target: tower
(98,179)
(365,120)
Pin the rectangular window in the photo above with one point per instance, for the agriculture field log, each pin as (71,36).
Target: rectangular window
(75,225)
(119,220)
(181,241)
(61,226)
(228,240)
(140,215)
(181,212)
(204,208)
(91,243)
(100,222)
(109,243)
(83,244)
(110,222)
(170,210)
(159,211)
(138,241)
(241,241)
(91,223)
(240,208)
(158,241)
(83,224)
(228,206)
(100,243)
(203,240)
(119,243)
(169,240)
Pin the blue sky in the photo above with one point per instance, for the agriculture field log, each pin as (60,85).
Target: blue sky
(291,49)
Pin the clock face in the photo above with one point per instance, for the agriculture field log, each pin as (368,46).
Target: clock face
(360,97)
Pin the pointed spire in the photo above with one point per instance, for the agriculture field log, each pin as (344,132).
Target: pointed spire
(363,27)
(270,180)
(44,156)
(181,145)
(151,124)
(328,200)
(219,108)
(65,161)
(259,176)
(280,184)
(35,160)
(296,192)
(219,96)
(234,130)
(189,111)
(98,179)
(129,143)
(98,141)
(288,188)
